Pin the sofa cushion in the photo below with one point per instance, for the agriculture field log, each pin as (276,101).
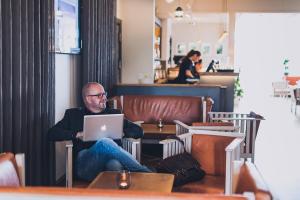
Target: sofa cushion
(209,151)
(150,108)
(8,170)
(209,184)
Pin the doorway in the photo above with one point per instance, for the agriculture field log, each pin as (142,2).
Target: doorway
(262,42)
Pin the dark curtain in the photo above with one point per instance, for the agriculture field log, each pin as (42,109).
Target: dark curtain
(99,41)
(27,83)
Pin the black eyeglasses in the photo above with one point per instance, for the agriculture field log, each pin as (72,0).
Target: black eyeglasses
(98,95)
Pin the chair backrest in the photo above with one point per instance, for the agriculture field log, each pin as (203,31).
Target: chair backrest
(280,85)
(248,124)
(151,108)
(209,151)
(9,175)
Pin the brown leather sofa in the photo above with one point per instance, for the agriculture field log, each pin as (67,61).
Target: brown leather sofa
(151,108)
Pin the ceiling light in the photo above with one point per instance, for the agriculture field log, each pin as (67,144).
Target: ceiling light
(225,32)
(223,36)
(178,12)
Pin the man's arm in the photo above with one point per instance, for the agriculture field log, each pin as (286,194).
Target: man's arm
(132,130)
(61,131)
(188,73)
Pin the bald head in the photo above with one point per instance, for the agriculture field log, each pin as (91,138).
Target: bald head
(94,97)
(90,87)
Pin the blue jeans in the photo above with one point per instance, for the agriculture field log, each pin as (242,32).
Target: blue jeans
(105,155)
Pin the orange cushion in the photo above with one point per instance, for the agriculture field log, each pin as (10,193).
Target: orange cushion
(209,151)
(292,79)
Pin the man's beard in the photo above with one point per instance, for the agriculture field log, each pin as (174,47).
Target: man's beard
(102,106)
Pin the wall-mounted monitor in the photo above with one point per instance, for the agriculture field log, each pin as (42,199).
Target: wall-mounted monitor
(67,26)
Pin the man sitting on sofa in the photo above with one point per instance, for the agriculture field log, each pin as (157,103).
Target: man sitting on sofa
(104,154)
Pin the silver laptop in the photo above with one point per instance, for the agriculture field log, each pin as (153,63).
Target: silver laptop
(96,127)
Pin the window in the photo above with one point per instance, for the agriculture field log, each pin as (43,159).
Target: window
(67,26)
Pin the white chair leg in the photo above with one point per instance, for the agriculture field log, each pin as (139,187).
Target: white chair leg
(69,165)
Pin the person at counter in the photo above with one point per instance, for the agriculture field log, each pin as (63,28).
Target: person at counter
(187,67)
(196,69)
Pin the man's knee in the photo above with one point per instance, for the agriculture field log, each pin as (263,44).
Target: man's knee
(105,142)
(113,165)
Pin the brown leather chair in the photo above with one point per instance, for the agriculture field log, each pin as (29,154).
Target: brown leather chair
(215,151)
(12,170)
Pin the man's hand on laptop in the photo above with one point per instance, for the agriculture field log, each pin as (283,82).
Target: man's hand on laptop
(79,135)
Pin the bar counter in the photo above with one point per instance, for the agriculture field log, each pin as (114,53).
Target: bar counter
(222,78)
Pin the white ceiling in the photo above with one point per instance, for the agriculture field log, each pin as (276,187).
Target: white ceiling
(192,7)
(195,11)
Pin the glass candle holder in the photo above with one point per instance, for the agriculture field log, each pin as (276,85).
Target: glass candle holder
(123,179)
(160,124)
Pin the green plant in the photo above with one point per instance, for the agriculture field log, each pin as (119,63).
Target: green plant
(238,91)
(286,67)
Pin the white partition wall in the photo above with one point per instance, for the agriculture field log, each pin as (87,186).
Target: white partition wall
(66,96)
(137,39)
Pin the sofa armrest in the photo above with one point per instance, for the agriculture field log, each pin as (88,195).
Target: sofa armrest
(172,147)
(181,127)
(139,123)
(232,154)
(184,128)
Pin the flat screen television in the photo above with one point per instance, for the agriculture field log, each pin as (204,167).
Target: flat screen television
(67,26)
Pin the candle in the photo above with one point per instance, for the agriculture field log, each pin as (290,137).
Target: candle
(123,179)
(123,185)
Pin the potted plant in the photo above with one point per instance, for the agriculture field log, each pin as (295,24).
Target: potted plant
(238,91)
(286,67)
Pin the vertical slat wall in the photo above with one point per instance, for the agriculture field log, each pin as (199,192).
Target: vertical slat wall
(98,33)
(27,82)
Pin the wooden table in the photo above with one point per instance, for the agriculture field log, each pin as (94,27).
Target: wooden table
(151,131)
(156,182)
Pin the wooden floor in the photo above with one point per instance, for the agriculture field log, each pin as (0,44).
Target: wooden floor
(277,145)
